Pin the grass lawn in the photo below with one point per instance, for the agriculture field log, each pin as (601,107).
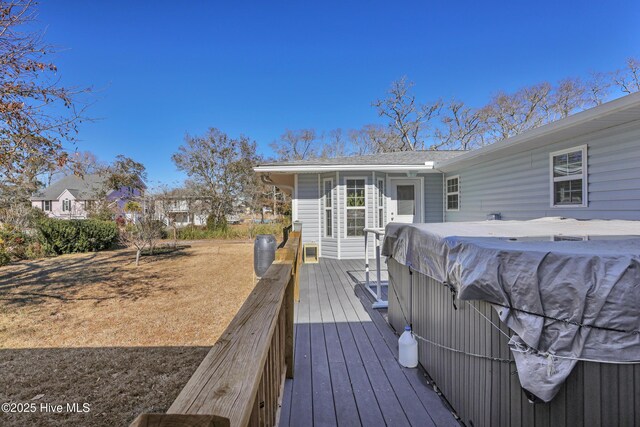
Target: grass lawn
(94,328)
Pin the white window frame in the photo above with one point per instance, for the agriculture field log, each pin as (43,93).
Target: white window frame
(66,205)
(584,177)
(453,193)
(328,211)
(44,205)
(346,208)
(380,203)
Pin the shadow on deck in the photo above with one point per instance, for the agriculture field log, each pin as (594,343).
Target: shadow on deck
(346,368)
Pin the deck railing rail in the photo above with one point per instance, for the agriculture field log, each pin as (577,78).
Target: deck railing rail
(240,381)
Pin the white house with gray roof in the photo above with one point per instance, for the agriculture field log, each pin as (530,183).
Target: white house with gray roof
(585,166)
(72,197)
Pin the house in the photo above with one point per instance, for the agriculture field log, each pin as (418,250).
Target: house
(584,166)
(73,197)
(180,208)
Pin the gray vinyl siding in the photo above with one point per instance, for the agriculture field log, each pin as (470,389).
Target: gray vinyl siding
(433,197)
(308,208)
(518,186)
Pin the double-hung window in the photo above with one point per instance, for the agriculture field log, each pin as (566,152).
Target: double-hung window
(327,201)
(569,177)
(381,203)
(46,205)
(356,207)
(453,193)
(66,205)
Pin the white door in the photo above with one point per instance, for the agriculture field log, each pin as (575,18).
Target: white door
(406,200)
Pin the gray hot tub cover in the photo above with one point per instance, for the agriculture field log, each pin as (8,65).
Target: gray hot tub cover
(594,282)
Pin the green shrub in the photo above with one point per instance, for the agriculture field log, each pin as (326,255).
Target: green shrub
(13,243)
(216,224)
(59,236)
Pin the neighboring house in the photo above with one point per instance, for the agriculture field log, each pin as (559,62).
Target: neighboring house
(180,209)
(584,166)
(73,197)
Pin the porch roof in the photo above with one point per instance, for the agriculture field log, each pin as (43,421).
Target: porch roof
(401,161)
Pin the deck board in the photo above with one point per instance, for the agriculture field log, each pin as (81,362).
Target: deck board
(301,413)
(324,413)
(346,369)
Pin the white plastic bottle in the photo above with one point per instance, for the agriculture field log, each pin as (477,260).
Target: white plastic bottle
(407,349)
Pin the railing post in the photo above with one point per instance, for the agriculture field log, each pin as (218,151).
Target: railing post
(366,258)
(296,266)
(379,290)
(289,326)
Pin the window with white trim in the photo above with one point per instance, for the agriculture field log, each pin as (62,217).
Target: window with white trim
(327,201)
(381,203)
(355,207)
(453,193)
(569,177)
(66,205)
(46,205)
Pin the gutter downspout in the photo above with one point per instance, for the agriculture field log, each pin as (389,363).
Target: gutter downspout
(444,197)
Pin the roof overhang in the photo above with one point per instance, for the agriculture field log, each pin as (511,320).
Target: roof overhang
(425,167)
(614,113)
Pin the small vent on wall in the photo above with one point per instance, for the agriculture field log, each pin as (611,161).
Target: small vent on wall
(310,253)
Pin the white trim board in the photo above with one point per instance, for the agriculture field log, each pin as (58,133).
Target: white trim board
(426,167)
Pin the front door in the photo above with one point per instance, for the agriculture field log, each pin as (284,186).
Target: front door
(406,200)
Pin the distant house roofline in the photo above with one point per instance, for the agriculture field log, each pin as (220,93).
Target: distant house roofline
(87,187)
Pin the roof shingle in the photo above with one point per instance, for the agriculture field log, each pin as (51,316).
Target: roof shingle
(87,187)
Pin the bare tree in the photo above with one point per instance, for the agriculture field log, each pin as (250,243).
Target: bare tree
(408,118)
(336,146)
(163,200)
(300,144)
(125,172)
(142,234)
(598,87)
(568,97)
(38,116)
(373,138)
(511,114)
(219,168)
(628,79)
(463,128)
(79,163)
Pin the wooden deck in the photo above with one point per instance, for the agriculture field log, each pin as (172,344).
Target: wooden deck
(346,369)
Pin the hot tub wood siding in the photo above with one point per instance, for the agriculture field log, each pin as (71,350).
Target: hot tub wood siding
(488,393)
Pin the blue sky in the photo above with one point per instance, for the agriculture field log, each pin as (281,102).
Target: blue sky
(161,69)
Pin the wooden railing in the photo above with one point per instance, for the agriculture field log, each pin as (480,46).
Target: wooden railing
(240,381)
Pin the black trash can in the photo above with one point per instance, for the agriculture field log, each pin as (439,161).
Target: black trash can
(264,252)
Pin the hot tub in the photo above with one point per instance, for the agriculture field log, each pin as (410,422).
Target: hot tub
(513,312)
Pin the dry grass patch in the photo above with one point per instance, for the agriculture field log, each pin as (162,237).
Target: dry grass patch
(95,328)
